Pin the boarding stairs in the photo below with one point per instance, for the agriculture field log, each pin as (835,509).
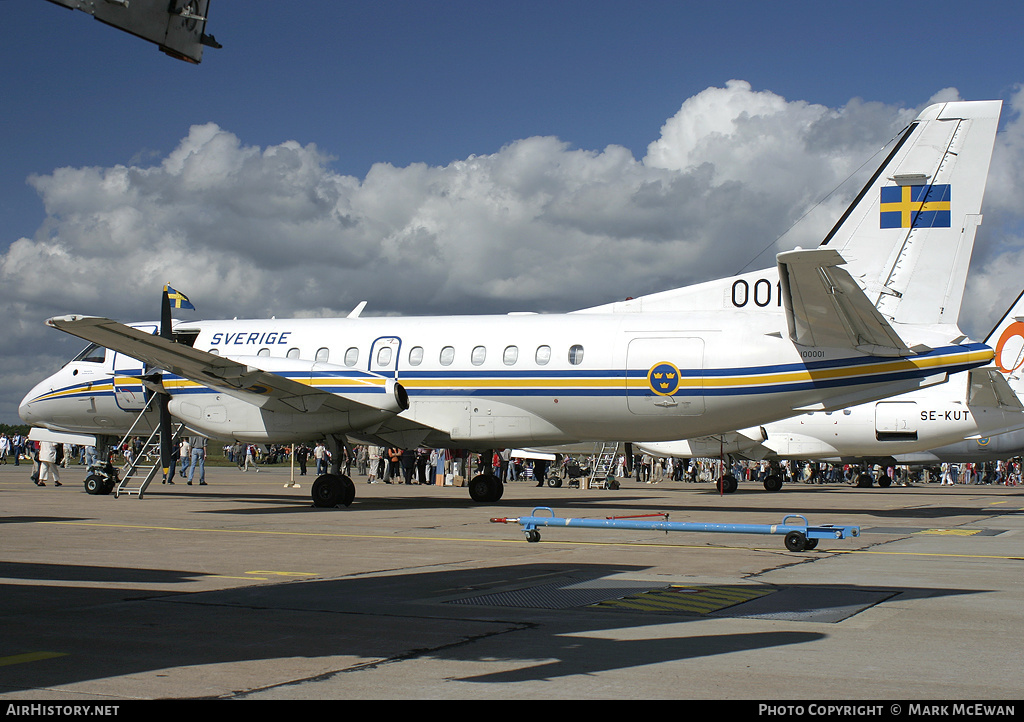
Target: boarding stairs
(146,464)
(603,465)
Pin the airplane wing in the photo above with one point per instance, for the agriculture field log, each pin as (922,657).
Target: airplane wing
(177,26)
(825,306)
(262,388)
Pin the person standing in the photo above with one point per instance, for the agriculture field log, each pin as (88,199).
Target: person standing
(250,454)
(48,463)
(169,478)
(320,454)
(198,459)
(17,447)
(407,459)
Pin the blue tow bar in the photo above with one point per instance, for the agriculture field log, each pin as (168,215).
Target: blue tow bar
(798,536)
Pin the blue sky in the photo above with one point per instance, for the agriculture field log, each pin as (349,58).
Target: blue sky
(432,82)
(362,140)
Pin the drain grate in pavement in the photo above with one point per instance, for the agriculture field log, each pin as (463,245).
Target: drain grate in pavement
(689,599)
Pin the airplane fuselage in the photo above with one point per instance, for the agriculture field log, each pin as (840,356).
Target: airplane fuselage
(496,381)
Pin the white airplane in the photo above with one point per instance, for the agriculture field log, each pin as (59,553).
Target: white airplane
(967,410)
(720,355)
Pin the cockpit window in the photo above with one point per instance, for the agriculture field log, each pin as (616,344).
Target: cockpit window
(94,354)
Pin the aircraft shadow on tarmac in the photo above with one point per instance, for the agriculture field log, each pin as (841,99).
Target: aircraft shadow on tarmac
(102,632)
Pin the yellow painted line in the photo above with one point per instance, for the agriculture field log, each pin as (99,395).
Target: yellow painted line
(286,574)
(951,532)
(29,657)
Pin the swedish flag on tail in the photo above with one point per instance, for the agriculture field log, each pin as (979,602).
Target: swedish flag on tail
(178,299)
(911,206)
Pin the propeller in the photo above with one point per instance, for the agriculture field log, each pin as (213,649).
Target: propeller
(163,399)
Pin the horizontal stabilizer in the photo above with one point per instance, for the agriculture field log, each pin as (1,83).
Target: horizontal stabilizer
(825,306)
(988,387)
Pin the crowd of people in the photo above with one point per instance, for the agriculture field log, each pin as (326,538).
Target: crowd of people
(651,469)
(423,465)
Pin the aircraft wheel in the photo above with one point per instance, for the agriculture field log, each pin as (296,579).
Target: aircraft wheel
(796,541)
(864,480)
(773,482)
(727,484)
(348,490)
(486,488)
(96,484)
(330,490)
(884,481)
(554,482)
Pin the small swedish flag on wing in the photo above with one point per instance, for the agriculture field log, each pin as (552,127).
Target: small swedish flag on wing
(915,206)
(178,299)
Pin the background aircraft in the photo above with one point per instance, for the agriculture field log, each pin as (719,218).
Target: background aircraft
(178,27)
(964,411)
(1008,341)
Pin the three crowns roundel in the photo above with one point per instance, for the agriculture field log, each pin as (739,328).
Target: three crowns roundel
(663,378)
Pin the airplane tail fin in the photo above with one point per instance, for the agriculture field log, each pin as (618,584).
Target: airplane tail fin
(1007,338)
(908,235)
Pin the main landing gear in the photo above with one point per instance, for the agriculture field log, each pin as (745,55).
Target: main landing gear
(331,490)
(486,488)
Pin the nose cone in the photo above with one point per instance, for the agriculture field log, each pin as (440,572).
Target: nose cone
(29,409)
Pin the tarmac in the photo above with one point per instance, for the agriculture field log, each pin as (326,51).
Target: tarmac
(241,589)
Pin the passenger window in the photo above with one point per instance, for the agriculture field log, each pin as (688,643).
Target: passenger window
(215,351)
(322,355)
(263,352)
(479,355)
(576,355)
(415,355)
(351,356)
(511,355)
(384,356)
(543,355)
(293,353)
(447,356)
